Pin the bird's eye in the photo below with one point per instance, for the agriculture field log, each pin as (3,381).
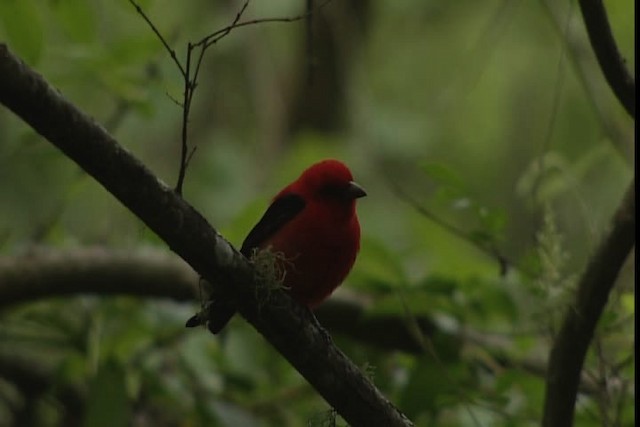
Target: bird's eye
(332,191)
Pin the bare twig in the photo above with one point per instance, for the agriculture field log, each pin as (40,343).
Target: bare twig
(191,71)
(189,87)
(214,37)
(310,59)
(217,35)
(157,32)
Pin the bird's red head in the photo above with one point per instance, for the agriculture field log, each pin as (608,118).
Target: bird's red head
(330,181)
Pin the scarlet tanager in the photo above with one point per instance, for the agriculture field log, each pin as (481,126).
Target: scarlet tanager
(312,224)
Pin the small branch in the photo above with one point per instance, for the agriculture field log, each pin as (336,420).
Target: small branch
(157,32)
(611,62)
(214,37)
(572,342)
(189,87)
(310,53)
(190,73)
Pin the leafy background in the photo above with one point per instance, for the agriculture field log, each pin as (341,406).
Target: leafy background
(491,117)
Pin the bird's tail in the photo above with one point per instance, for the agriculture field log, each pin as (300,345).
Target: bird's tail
(215,315)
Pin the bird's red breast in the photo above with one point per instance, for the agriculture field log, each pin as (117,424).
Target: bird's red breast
(319,242)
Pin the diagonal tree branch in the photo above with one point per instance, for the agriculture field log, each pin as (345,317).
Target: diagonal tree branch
(290,328)
(572,342)
(609,58)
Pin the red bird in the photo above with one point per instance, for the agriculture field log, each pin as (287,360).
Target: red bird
(313,223)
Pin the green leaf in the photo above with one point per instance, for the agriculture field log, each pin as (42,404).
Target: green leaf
(444,176)
(438,284)
(417,302)
(77,19)
(431,385)
(107,404)
(493,221)
(489,301)
(378,268)
(481,237)
(426,383)
(230,415)
(627,301)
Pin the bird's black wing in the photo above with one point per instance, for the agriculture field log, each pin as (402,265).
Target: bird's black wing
(220,310)
(281,211)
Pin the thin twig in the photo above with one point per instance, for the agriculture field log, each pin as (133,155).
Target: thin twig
(489,249)
(191,70)
(217,35)
(189,86)
(310,60)
(172,52)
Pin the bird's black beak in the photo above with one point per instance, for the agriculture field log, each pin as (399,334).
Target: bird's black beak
(354,191)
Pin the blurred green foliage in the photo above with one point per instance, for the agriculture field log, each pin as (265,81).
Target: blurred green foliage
(492,150)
